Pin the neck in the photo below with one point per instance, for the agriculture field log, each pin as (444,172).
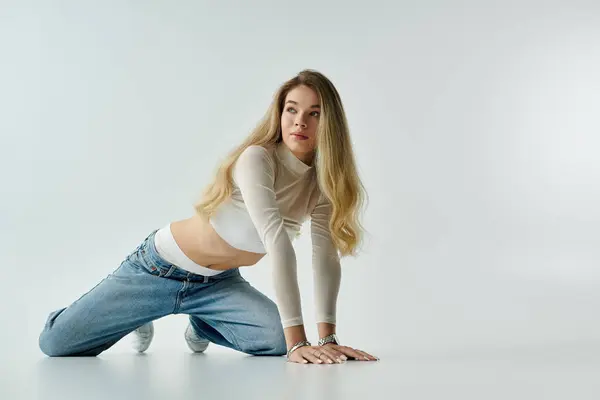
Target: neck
(297,162)
(306,158)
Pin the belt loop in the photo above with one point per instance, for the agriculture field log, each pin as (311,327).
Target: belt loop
(205,279)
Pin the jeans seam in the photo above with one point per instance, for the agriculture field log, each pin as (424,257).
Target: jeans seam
(179,298)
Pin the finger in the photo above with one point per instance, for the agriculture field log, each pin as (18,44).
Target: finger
(324,356)
(333,349)
(367,356)
(333,356)
(308,355)
(350,352)
(363,356)
(297,359)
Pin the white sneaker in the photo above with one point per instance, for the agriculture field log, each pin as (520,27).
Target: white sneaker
(142,337)
(196,344)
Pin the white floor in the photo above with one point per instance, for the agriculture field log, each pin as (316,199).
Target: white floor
(568,371)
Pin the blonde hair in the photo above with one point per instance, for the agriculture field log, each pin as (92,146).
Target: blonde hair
(335,166)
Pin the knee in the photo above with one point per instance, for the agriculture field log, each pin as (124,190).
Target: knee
(270,343)
(47,347)
(55,345)
(55,340)
(275,343)
(48,339)
(50,345)
(279,347)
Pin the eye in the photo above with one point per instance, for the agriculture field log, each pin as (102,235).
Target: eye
(314,113)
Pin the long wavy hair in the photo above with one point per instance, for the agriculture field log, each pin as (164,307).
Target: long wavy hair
(335,166)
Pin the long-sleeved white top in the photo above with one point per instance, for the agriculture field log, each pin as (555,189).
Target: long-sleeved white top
(273,193)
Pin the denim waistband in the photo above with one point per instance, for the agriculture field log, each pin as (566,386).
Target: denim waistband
(151,256)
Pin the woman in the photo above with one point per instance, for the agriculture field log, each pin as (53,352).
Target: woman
(297,163)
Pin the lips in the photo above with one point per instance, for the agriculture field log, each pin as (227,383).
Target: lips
(299,135)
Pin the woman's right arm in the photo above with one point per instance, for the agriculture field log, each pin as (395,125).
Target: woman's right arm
(254,173)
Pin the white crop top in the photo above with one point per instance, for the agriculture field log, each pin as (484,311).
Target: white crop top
(273,193)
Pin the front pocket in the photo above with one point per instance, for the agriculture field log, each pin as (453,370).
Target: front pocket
(151,267)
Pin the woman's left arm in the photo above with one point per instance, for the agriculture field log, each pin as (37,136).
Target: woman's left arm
(327,274)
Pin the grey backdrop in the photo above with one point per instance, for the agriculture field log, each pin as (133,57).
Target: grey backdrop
(475,126)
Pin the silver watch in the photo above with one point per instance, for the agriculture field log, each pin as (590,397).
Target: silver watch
(329,339)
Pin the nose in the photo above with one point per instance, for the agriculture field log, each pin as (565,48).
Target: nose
(301,122)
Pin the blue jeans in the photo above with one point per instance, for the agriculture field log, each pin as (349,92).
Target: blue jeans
(224,308)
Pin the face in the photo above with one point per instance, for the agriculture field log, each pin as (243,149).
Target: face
(299,121)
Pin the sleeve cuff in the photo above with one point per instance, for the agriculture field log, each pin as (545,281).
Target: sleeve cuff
(330,319)
(292,322)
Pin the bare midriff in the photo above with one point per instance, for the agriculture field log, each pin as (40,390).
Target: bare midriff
(202,244)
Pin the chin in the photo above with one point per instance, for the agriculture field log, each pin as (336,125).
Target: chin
(300,147)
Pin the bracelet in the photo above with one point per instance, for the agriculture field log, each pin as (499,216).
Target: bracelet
(329,339)
(299,344)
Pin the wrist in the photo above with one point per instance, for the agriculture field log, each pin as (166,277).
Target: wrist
(296,346)
(293,335)
(331,338)
(325,328)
